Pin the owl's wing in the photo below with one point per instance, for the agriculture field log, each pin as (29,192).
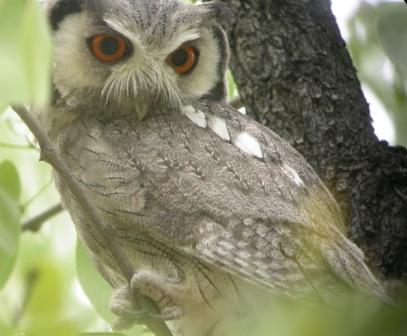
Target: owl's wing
(218,185)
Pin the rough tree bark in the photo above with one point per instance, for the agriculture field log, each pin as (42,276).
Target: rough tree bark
(295,75)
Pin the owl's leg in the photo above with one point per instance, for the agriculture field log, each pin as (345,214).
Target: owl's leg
(160,290)
(147,284)
(125,308)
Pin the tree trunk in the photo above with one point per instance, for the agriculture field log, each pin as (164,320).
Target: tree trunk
(295,75)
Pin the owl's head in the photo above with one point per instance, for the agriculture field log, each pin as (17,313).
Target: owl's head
(136,55)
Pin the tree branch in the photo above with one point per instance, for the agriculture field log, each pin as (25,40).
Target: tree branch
(35,223)
(29,283)
(295,75)
(50,154)
(14,146)
(35,196)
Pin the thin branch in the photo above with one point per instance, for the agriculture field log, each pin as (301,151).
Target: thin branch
(50,154)
(35,224)
(14,146)
(12,127)
(30,281)
(35,196)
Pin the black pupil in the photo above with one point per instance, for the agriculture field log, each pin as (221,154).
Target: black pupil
(109,46)
(179,57)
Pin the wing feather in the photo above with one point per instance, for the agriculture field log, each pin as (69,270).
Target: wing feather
(266,218)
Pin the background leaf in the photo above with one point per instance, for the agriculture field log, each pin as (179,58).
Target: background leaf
(95,287)
(36,50)
(25,57)
(392,30)
(9,180)
(98,290)
(3,107)
(9,219)
(377,72)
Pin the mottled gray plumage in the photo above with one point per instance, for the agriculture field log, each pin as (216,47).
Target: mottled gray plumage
(212,209)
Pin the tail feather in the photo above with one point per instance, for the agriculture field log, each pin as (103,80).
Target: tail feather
(348,263)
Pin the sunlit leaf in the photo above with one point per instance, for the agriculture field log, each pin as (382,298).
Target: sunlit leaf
(392,30)
(48,291)
(37,53)
(52,327)
(9,180)
(5,330)
(9,219)
(95,287)
(3,108)
(25,56)
(9,235)
(232,90)
(376,72)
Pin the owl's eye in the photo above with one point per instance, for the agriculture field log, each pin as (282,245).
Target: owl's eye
(184,59)
(108,48)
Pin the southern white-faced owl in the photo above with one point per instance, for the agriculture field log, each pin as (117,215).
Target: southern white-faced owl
(208,205)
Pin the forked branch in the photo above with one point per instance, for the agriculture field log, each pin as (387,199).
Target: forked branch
(35,223)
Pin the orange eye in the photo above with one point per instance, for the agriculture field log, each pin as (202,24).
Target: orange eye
(108,48)
(183,60)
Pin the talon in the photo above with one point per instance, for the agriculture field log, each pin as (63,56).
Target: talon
(121,307)
(152,287)
(129,319)
(169,314)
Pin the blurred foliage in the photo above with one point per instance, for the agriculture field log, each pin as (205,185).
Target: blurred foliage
(305,319)
(96,288)
(376,70)
(392,30)
(10,190)
(45,289)
(25,57)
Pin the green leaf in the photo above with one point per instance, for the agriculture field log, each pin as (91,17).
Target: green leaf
(4,329)
(47,295)
(95,287)
(392,31)
(9,219)
(9,180)
(3,108)
(9,234)
(98,290)
(232,90)
(36,48)
(25,58)
(50,327)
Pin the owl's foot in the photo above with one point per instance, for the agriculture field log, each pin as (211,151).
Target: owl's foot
(153,287)
(159,290)
(126,309)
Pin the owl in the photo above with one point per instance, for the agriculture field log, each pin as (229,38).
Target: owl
(214,212)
